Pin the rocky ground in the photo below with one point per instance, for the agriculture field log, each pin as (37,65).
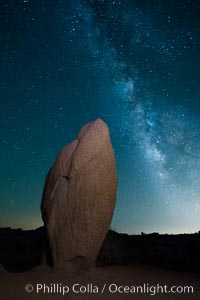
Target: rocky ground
(13,285)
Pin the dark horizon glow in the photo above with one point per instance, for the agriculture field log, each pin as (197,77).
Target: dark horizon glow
(133,63)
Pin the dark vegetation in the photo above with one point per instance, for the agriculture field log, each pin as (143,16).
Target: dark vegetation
(22,250)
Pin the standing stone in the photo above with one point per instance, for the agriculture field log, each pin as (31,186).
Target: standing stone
(79,198)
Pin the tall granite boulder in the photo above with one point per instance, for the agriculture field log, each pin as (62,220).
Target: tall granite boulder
(79,198)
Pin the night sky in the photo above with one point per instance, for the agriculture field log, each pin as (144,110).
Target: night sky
(133,63)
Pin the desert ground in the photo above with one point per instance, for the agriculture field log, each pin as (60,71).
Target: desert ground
(13,285)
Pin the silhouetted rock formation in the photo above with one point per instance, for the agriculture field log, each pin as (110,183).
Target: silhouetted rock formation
(79,198)
(178,252)
(22,250)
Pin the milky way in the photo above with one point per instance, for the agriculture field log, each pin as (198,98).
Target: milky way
(134,64)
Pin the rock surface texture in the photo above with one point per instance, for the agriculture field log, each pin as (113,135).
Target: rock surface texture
(79,198)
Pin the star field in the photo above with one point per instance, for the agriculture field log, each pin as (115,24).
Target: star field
(135,64)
